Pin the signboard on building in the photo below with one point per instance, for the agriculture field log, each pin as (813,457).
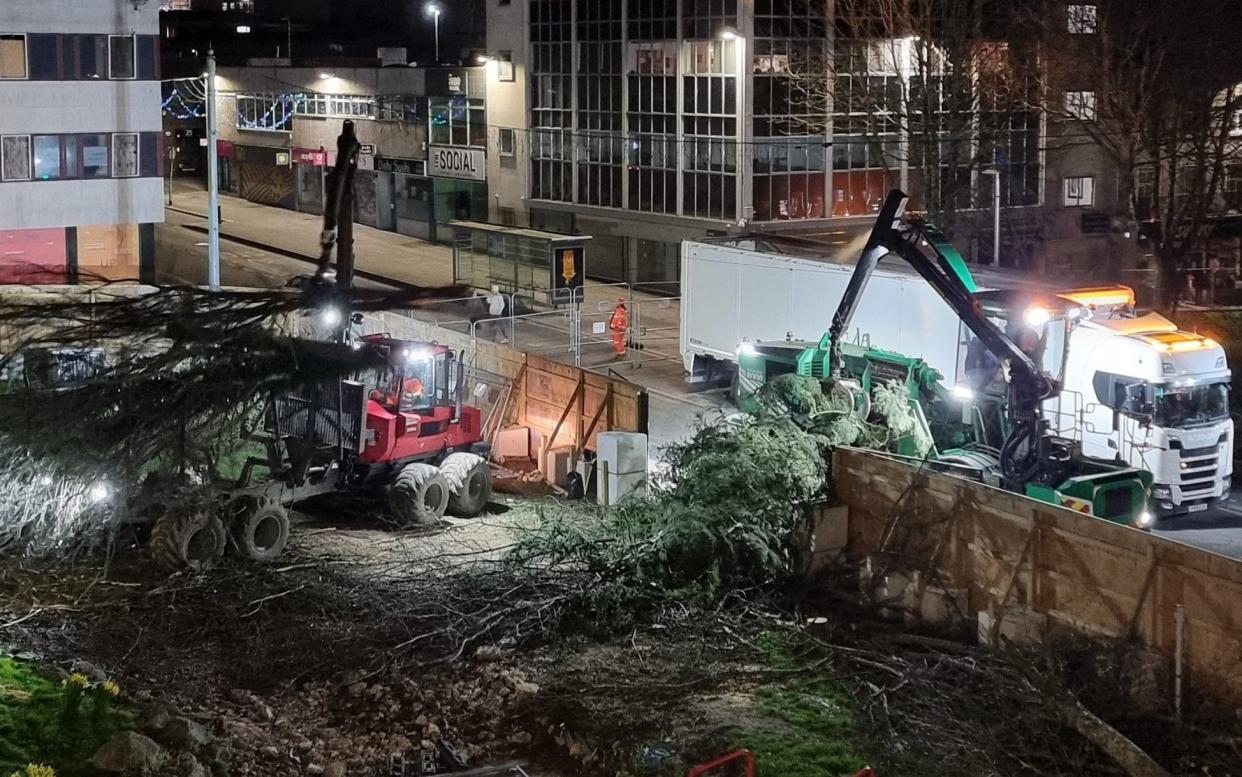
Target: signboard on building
(388,164)
(568,272)
(448,162)
(367,148)
(305,156)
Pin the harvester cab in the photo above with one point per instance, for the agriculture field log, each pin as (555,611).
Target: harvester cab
(414,406)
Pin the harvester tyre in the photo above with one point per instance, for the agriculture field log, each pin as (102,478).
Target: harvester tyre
(419,495)
(192,540)
(469,478)
(259,529)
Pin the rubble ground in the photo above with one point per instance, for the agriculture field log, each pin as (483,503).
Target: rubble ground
(313,665)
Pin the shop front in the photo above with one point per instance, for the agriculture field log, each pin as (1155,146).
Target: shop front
(311,166)
(403,197)
(459,190)
(265,176)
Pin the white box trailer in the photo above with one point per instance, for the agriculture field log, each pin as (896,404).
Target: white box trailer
(741,290)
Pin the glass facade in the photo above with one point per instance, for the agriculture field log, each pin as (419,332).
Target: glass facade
(648,120)
(767,111)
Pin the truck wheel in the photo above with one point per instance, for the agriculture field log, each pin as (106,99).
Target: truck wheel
(469,478)
(259,529)
(419,495)
(191,540)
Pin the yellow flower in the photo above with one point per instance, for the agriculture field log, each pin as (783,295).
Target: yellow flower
(78,679)
(39,770)
(110,687)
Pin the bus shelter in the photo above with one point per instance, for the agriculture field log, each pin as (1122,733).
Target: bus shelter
(546,266)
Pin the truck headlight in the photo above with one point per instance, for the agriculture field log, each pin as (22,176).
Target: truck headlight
(1145,520)
(1162,492)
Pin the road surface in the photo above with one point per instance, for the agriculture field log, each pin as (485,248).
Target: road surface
(1218,530)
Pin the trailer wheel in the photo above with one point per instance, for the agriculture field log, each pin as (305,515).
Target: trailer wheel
(192,540)
(259,529)
(469,478)
(419,495)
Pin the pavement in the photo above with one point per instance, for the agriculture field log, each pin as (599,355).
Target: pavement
(266,246)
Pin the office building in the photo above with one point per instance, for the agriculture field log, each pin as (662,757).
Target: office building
(81,143)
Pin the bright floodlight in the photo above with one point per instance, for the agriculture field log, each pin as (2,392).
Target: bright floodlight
(1145,520)
(1036,316)
(418,355)
(963,393)
(432,9)
(331,316)
(746,349)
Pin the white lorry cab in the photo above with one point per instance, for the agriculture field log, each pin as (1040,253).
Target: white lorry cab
(1139,390)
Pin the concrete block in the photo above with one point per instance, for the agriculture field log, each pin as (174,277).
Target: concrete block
(935,605)
(557,464)
(1018,625)
(514,443)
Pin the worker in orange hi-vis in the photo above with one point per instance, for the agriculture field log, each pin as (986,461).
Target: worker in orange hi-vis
(620,326)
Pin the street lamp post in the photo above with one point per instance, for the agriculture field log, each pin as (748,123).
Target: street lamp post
(996,207)
(433,10)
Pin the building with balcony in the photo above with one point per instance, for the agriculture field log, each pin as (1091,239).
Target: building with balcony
(81,142)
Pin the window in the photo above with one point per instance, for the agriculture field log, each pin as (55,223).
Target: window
(348,106)
(273,113)
(504,66)
(458,121)
(44,53)
(1081,19)
(125,155)
(47,157)
(15,158)
(1080,105)
(92,56)
(1079,192)
(93,156)
(507,142)
(13,56)
(122,57)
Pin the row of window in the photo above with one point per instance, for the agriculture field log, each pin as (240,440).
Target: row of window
(47,57)
(275,112)
(83,156)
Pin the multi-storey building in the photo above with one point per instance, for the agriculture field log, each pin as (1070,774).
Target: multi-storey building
(80,139)
(423,132)
(643,122)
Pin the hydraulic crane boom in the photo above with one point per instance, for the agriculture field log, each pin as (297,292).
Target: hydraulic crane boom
(1028,386)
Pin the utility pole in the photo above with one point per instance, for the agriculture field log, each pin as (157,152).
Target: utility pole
(213,179)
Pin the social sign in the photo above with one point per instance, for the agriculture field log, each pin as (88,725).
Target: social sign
(468,163)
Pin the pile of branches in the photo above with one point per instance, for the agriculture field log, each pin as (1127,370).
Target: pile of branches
(170,377)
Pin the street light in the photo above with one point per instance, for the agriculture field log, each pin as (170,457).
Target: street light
(996,206)
(433,10)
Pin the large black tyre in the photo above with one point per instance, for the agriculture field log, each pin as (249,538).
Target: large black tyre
(469,478)
(259,529)
(419,495)
(192,540)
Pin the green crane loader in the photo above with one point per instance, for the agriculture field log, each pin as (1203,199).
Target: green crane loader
(992,428)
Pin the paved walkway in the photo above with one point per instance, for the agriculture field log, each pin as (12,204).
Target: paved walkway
(381,254)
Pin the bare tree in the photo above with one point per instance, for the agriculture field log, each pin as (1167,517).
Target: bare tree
(921,90)
(1153,85)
